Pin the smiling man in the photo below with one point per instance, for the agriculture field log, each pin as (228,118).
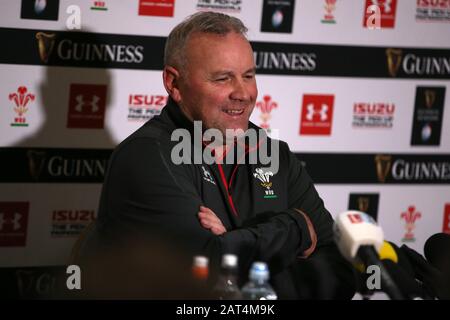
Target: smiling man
(214,81)
(232,207)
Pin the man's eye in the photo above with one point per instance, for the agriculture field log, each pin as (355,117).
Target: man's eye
(249,76)
(222,79)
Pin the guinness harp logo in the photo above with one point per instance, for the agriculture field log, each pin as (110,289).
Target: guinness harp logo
(46,42)
(363,204)
(36,161)
(394,58)
(430,98)
(383,165)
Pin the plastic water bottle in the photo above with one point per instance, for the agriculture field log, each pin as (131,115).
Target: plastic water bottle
(200,269)
(226,287)
(258,287)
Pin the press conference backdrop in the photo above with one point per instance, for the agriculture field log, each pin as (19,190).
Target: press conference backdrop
(363,108)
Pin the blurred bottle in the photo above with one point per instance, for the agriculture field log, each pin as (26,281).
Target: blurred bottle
(200,268)
(258,287)
(226,287)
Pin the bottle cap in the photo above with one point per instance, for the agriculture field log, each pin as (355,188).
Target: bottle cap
(229,260)
(259,271)
(201,261)
(200,267)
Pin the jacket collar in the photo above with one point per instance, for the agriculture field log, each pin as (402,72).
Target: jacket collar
(177,116)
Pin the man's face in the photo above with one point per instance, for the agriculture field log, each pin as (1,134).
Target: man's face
(218,83)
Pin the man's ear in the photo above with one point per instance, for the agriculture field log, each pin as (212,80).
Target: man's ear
(171,80)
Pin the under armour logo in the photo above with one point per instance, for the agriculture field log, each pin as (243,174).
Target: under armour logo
(312,111)
(386,4)
(207,176)
(14,221)
(81,103)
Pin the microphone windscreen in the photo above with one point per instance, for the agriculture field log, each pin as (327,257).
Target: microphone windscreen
(437,251)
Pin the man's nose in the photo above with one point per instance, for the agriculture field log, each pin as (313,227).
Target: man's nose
(240,90)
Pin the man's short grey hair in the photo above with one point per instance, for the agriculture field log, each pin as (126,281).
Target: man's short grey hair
(203,22)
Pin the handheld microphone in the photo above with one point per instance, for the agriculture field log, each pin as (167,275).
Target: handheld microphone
(359,239)
(401,270)
(386,252)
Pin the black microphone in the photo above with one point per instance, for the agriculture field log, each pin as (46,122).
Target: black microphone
(369,256)
(401,270)
(402,261)
(407,284)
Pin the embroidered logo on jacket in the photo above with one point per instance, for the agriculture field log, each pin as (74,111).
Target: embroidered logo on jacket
(264,177)
(207,176)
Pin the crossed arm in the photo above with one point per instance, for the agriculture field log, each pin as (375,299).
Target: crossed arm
(210,221)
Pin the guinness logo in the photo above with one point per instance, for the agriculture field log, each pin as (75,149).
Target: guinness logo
(394,58)
(430,98)
(363,204)
(36,161)
(46,42)
(383,165)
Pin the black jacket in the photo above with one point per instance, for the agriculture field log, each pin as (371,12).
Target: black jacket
(146,195)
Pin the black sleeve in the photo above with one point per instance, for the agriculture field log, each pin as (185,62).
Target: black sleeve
(147,229)
(325,274)
(147,196)
(279,238)
(303,196)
